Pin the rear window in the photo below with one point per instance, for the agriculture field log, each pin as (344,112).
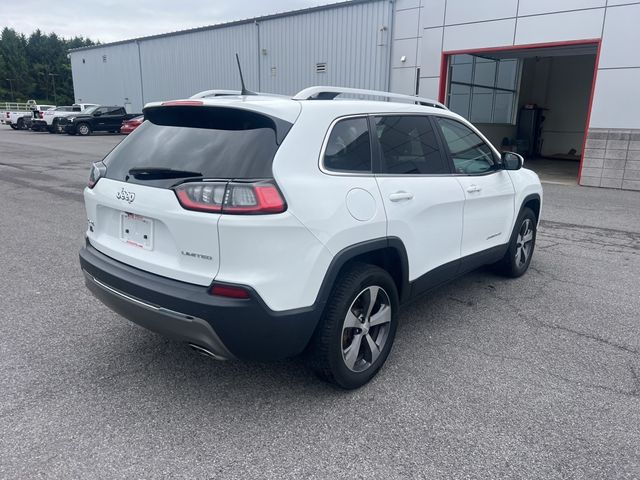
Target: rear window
(214,142)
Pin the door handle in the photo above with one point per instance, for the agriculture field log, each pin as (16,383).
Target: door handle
(398,196)
(473,188)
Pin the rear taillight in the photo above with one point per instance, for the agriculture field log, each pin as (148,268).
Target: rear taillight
(202,196)
(41,114)
(240,198)
(98,170)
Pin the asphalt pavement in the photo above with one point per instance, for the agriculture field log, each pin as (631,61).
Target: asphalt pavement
(537,377)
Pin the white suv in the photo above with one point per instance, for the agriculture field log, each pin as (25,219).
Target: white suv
(262,227)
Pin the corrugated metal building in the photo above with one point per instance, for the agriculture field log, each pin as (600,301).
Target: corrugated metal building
(556,81)
(346,44)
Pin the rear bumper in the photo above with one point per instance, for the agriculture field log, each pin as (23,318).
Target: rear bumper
(242,328)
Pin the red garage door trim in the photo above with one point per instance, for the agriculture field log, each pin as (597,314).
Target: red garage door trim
(444,71)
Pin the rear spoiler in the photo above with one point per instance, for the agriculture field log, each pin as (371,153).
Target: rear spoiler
(194,114)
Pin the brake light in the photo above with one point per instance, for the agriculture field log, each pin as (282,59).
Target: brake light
(230,291)
(251,198)
(188,103)
(98,170)
(41,114)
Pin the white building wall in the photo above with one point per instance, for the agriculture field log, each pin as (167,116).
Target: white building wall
(178,66)
(108,76)
(353,42)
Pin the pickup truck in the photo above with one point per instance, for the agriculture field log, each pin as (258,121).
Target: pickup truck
(14,114)
(96,119)
(35,122)
(50,120)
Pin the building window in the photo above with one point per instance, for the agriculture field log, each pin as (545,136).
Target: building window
(484,90)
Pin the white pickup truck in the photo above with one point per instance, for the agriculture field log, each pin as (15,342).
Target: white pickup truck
(16,114)
(49,120)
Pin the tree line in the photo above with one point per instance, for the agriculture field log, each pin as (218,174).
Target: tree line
(36,67)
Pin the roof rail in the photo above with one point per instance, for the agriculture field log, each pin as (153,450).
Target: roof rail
(329,93)
(226,93)
(215,93)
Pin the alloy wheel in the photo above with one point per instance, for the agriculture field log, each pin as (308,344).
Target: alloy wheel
(365,329)
(524,243)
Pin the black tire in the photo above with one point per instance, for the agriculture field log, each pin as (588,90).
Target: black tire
(326,353)
(14,126)
(20,124)
(513,265)
(54,127)
(83,129)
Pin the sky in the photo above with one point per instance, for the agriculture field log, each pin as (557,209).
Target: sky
(113,20)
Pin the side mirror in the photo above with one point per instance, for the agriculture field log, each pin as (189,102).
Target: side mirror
(512,161)
(97,114)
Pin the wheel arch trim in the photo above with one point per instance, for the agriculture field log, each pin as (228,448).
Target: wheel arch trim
(352,252)
(526,200)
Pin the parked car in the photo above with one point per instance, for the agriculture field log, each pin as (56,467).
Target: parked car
(52,116)
(130,125)
(96,119)
(263,227)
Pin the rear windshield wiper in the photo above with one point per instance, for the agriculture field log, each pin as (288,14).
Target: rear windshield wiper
(152,173)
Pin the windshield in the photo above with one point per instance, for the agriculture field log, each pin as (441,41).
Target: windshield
(90,110)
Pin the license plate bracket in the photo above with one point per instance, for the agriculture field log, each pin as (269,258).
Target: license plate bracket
(136,230)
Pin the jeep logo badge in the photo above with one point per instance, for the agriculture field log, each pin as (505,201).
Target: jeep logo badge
(126,196)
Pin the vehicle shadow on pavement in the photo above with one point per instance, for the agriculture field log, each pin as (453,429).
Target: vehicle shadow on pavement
(161,367)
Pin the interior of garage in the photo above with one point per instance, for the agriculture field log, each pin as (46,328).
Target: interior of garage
(534,101)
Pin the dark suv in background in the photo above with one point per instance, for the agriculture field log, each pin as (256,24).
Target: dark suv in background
(96,119)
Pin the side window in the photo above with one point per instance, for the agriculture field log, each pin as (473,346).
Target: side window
(117,111)
(471,155)
(102,110)
(409,145)
(348,148)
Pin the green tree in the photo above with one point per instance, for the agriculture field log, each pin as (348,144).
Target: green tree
(36,64)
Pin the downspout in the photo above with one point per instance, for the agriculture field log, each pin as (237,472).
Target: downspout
(140,69)
(390,40)
(259,69)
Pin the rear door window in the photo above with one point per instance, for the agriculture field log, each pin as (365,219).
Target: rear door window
(409,145)
(348,148)
(218,143)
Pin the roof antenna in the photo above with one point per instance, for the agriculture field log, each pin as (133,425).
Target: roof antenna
(244,89)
